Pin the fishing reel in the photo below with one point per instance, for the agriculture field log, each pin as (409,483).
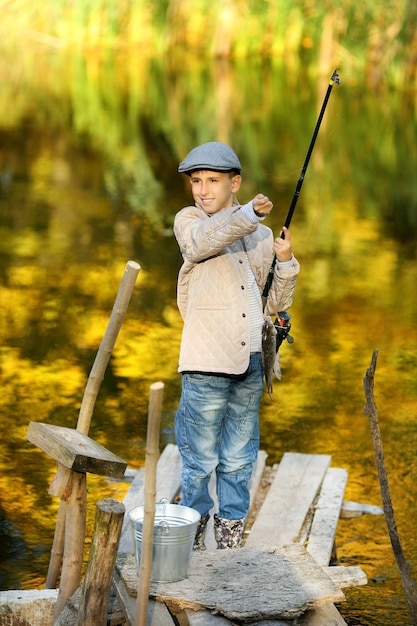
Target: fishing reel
(283,326)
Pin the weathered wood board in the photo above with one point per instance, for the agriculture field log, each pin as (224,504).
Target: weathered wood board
(75,450)
(250,584)
(355,509)
(325,615)
(157,612)
(34,607)
(289,499)
(326,515)
(204,618)
(346,576)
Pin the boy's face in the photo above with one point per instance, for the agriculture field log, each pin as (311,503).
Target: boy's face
(213,191)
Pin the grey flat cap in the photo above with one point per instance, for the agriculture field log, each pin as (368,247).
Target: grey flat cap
(214,155)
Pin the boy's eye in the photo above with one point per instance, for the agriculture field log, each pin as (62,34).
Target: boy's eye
(196,181)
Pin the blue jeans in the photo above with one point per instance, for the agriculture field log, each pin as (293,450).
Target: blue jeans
(217,429)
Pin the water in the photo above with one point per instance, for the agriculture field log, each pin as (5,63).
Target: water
(88,155)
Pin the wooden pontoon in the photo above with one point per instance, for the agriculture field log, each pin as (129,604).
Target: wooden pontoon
(281,577)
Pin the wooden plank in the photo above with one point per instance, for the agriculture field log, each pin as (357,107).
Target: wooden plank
(326,515)
(295,486)
(257,474)
(354,509)
(136,486)
(280,622)
(205,618)
(274,622)
(326,615)
(168,476)
(253,487)
(32,607)
(346,576)
(158,614)
(321,540)
(75,450)
(250,584)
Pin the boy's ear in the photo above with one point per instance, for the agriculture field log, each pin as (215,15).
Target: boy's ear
(236,182)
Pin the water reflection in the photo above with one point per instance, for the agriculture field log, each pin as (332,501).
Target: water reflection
(88,180)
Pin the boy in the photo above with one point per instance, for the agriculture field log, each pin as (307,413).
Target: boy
(227,254)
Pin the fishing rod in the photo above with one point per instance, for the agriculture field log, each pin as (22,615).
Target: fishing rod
(335,80)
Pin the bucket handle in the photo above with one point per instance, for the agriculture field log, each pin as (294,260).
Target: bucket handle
(164,502)
(163,524)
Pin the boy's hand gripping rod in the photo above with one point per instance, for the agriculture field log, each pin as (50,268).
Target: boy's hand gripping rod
(335,80)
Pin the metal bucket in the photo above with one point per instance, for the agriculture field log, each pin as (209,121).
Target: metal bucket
(173,538)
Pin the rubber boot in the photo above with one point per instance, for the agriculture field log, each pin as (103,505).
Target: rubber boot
(200,533)
(228,532)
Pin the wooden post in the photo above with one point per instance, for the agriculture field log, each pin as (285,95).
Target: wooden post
(95,590)
(76,506)
(57,488)
(372,412)
(77,534)
(106,347)
(151,461)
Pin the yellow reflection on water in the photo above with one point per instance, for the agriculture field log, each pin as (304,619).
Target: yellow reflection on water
(99,189)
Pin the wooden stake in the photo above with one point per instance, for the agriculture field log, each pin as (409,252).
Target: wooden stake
(57,488)
(76,506)
(95,590)
(152,454)
(83,425)
(106,347)
(372,412)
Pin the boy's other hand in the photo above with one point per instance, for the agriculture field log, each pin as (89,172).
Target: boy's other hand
(283,247)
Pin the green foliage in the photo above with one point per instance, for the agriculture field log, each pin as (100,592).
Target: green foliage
(375,37)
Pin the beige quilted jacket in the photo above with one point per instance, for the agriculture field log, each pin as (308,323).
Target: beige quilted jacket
(212,286)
